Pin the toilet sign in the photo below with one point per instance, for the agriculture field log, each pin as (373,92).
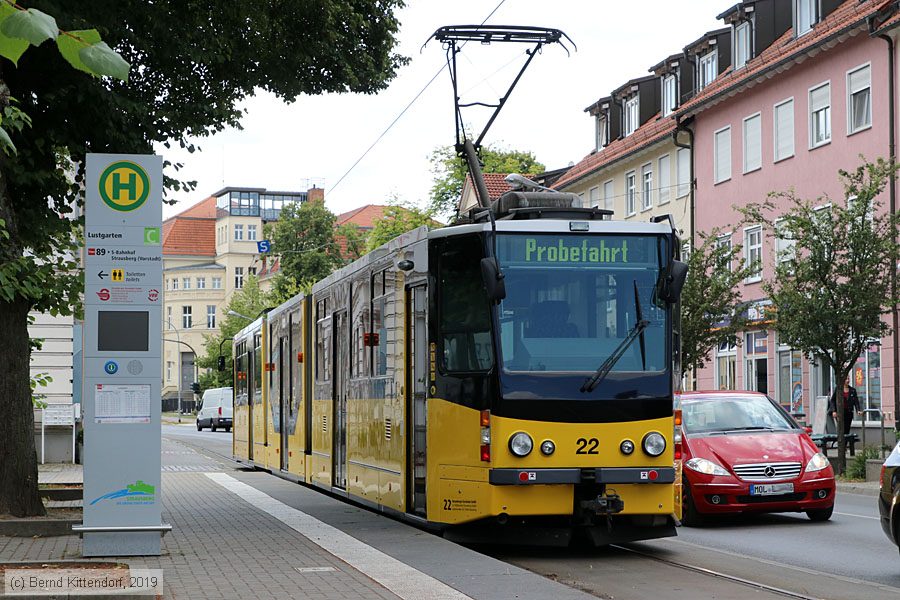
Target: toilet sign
(122,353)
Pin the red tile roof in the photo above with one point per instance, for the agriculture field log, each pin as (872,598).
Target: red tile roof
(363,217)
(783,51)
(191,232)
(651,132)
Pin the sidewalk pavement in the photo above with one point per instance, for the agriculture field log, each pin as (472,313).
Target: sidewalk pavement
(239,534)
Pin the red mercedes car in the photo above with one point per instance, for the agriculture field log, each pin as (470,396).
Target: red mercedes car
(742,452)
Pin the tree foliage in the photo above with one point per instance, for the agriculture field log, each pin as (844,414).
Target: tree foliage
(354,238)
(712,311)
(831,291)
(249,301)
(398,218)
(303,238)
(192,66)
(450,170)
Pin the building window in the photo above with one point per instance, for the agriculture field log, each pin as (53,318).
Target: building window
(664,177)
(724,241)
(859,99)
(669,94)
(741,44)
(238,232)
(238,277)
(752,143)
(210,316)
(186,317)
(629,193)
(602,132)
(784,243)
(709,65)
(186,283)
(251,233)
(168,315)
(174,283)
(647,186)
(784,129)
(217,283)
(756,354)
(169,365)
(805,13)
(820,115)
(595,197)
(790,381)
(722,157)
(753,253)
(251,270)
(201,283)
(608,197)
(683,158)
(726,366)
(632,114)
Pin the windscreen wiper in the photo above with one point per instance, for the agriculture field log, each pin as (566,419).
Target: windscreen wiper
(610,362)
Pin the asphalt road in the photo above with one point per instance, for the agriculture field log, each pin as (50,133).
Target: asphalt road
(847,557)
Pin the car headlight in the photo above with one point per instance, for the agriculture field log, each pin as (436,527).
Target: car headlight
(707,467)
(654,443)
(817,463)
(521,444)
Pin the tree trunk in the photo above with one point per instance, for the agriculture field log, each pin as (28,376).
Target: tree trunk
(840,376)
(18,462)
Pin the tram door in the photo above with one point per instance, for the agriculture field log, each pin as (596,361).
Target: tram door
(284,393)
(251,402)
(339,431)
(416,386)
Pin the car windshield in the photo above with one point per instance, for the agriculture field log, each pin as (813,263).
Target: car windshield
(718,414)
(570,301)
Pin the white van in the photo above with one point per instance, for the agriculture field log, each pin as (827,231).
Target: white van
(216,409)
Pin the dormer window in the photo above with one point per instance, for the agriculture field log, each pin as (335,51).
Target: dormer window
(669,95)
(709,66)
(632,114)
(805,15)
(602,131)
(741,44)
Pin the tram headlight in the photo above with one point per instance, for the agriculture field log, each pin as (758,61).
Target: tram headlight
(626,447)
(521,444)
(654,443)
(548,447)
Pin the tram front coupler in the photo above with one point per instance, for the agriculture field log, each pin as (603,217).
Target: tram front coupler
(604,505)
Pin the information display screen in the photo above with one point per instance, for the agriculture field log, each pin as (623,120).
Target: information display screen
(123,331)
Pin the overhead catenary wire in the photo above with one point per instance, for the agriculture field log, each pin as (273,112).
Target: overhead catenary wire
(406,108)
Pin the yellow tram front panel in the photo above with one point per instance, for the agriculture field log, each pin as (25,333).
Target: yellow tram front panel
(241,431)
(459,489)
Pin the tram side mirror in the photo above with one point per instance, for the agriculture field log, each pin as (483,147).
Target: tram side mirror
(493,280)
(672,281)
(220,363)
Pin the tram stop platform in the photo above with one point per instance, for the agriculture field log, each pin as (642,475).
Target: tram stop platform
(248,534)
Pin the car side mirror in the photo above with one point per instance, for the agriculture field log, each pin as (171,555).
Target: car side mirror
(672,281)
(492,278)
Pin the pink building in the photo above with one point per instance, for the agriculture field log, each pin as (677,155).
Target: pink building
(807,92)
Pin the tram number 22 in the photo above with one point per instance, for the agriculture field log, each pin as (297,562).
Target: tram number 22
(587,446)
(448,504)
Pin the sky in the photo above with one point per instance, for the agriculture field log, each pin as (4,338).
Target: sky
(315,140)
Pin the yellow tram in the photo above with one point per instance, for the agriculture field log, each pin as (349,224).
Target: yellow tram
(509,377)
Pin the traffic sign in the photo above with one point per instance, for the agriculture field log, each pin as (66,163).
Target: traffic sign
(263,246)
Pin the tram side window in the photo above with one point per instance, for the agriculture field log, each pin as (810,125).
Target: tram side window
(257,366)
(465,320)
(240,368)
(361,322)
(379,330)
(323,337)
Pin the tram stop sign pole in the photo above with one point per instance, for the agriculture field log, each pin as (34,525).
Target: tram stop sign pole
(122,356)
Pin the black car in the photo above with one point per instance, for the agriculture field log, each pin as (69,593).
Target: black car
(889,497)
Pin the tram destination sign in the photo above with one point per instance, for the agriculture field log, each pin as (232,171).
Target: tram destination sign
(122,354)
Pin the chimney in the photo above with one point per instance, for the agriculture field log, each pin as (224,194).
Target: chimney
(315,194)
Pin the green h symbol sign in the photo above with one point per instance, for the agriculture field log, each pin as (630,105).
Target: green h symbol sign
(130,186)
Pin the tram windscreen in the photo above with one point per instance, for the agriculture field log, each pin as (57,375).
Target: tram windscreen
(570,301)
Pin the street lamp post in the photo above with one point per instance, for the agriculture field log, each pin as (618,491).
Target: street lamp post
(180,376)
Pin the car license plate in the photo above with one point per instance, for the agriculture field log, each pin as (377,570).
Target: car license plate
(771,489)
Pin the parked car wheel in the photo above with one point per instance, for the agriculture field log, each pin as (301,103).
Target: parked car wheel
(227,429)
(690,517)
(199,426)
(212,425)
(822,514)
